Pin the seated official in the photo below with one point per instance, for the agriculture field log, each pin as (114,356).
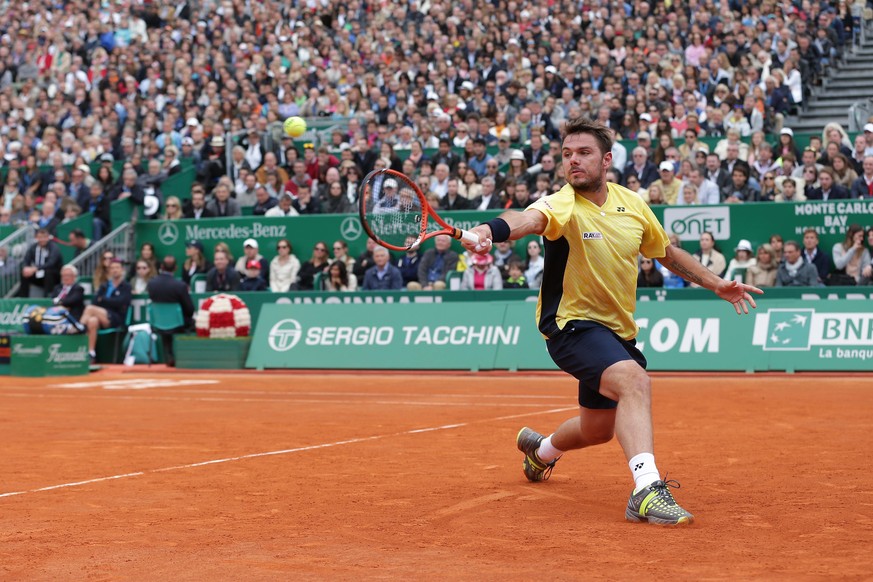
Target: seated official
(109,309)
(165,288)
(70,294)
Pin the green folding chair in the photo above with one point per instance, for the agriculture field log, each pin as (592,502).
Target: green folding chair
(165,319)
(119,334)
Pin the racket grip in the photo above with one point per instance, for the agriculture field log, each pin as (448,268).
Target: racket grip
(473,239)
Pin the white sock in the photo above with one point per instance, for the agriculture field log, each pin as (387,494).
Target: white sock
(547,452)
(92,353)
(643,468)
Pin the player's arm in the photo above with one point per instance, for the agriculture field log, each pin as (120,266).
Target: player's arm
(520,224)
(690,269)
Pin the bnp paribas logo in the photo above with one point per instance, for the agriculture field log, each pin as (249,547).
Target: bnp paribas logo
(784,329)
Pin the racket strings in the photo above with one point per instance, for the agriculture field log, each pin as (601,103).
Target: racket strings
(393,210)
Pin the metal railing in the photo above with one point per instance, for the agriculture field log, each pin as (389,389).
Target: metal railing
(16,245)
(119,241)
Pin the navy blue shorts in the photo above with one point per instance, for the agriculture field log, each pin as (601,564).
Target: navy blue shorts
(584,349)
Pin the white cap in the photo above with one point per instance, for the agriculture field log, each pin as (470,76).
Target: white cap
(467,85)
(646,117)
(667,167)
(192,122)
(744,245)
(787,131)
(432,96)
(644,135)
(868,127)
(250,242)
(551,69)
(390,183)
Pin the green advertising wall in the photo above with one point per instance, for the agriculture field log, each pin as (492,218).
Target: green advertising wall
(785,335)
(729,223)
(11,310)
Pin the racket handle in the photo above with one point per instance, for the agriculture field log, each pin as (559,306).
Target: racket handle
(473,239)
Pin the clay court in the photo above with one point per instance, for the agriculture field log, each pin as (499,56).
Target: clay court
(149,476)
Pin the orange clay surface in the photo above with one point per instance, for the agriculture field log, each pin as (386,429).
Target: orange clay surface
(212,476)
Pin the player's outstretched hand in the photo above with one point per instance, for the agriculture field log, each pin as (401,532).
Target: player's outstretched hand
(483,231)
(738,294)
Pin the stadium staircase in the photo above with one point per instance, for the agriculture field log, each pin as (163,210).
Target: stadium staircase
(843,86)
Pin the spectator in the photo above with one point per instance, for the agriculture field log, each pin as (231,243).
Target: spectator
(790,191)
(284,208)
(667,183)
(145,272)
(844,174)
(383,276)
(68,293)
(645,171)
(47,218)
(128,188)
(503,255)
(173,209)
(251,252)
(222,277)
(649,275)
(109,307)
(337,202)
(488,200)
(763,272)
(41,268)
(98,206)
(482,274)
(820,259)
(516,279)
(165,288)
(408,263)
(435,264)
(341,253)
(263,202)
(742,260)
(709,256)
(740,189)
(283,268)
(850,257)
(339,278)
(246,193)
(198,208)
(453,199)
(365,259)
(794,271)
(862,187)
(305,203)
(79,241)
(253,280)
(314,266)
(828,189)
(195,262)
(222,205)
(533,274)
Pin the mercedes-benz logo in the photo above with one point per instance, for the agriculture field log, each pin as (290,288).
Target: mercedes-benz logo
(284,335)
(168,233)
(350,228)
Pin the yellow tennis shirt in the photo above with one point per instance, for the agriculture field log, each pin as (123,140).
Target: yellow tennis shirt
(591,256)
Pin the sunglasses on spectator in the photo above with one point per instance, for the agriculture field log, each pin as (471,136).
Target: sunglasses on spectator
(283,247)
(321,249)
(172,206)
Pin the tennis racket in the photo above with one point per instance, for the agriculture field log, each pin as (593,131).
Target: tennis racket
(395,213)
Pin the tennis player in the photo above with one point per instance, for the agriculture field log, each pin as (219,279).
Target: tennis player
(594,232)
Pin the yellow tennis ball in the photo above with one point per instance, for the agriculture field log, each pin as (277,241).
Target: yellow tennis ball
(295,126)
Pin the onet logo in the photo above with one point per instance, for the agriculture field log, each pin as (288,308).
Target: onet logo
(168,233)
(284,335)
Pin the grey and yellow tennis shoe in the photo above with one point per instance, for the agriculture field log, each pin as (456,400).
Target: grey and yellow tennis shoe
(655,504)
(535,469)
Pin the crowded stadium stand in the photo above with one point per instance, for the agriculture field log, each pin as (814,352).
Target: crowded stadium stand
(138,130)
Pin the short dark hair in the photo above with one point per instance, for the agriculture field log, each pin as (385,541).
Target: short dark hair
(600,132)
(168,265)
(77,232)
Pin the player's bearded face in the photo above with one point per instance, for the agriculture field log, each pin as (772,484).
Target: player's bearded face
(584,165)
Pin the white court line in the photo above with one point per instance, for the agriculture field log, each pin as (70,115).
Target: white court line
(290,400)
(279,452)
